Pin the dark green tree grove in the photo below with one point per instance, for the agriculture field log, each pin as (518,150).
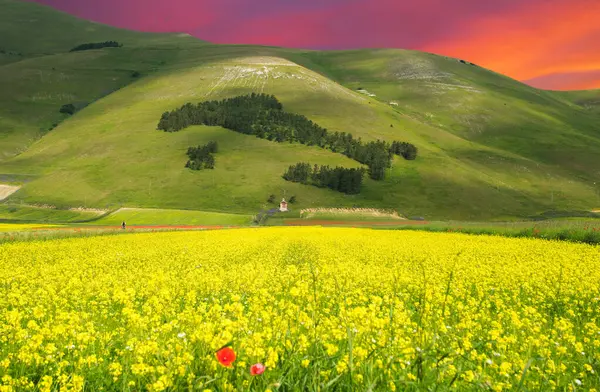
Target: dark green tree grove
(406,150)
(263,116)
(299,172)
(68,108)
(340,179)
(96,45)
(201,157)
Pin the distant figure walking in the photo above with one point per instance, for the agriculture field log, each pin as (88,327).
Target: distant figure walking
(123,225)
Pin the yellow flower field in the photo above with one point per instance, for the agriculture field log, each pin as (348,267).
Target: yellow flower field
(9,227)
(322,309)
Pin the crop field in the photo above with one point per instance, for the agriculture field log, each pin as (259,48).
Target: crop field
(299,309)
(155,217)
(12,227)
(575,230)
(32,214)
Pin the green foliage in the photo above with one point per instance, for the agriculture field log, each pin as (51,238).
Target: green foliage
(201,157)
(299,172)
(406,150)
(212,147)
(271,199)
(262,115)
(96,45)
(340,179)
(292,199)
(240,114)
(68,109)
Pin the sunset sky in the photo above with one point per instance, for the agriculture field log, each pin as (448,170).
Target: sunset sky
(552,44)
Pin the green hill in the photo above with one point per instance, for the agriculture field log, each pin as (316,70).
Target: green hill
(489,146)
(38,74)
(589,100)
(30,29)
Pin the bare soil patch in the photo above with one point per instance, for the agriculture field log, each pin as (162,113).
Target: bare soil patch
(7,190)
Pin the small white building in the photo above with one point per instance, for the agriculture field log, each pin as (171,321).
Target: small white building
(283,206)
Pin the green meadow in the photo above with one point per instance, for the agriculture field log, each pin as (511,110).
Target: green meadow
(489,147)
(159,217)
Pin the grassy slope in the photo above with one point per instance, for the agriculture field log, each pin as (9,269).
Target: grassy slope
(18,213)
(138,216)
(488,144)
(587,99)
(39,75)
(474,104)
(148,172)
(533,144)
(32,29)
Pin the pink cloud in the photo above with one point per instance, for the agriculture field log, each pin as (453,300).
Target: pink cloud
(585,80)
(523,39)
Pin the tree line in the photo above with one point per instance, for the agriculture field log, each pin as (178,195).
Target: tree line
(339,179)
(201,157)
(262,115)
(96,45)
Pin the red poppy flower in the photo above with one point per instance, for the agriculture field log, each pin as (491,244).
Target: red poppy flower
(257,369)
(226,356)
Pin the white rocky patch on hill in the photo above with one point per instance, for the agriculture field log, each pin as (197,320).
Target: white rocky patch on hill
(7,190)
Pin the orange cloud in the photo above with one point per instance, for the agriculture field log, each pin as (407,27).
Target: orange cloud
(546,39)
(548,43)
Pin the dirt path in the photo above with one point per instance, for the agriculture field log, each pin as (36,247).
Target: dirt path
(7,190)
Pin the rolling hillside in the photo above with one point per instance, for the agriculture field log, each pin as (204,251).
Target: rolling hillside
(39,75)
(490,147)
(30,29)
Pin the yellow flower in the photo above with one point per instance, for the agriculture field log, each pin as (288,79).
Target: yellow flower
(45,384)
(468,376)
(77,383)
(341,366)
(86,312)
